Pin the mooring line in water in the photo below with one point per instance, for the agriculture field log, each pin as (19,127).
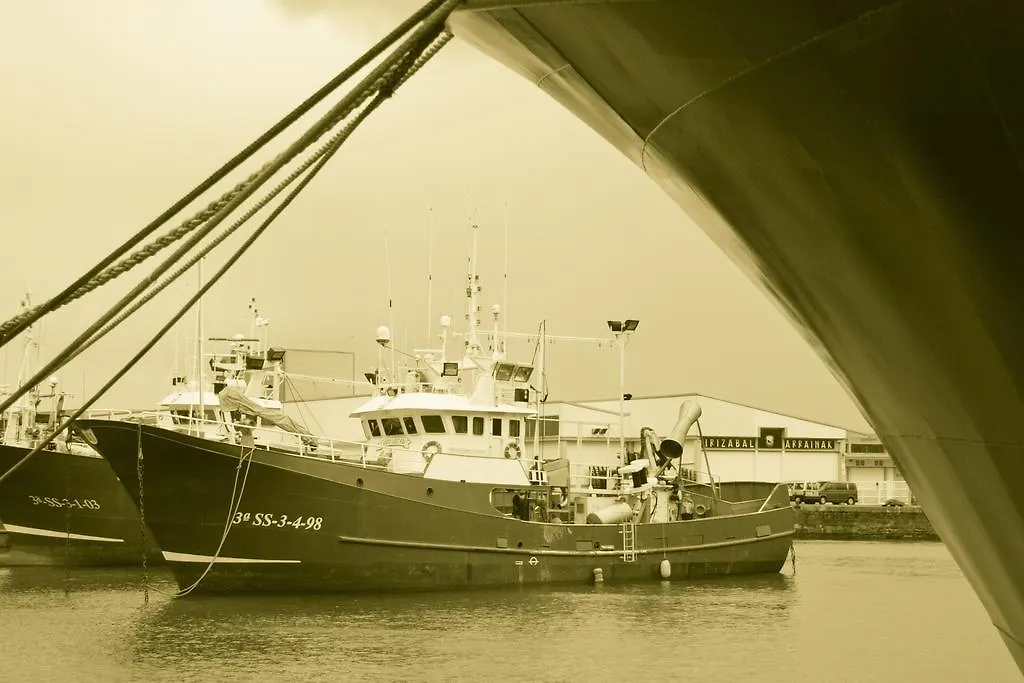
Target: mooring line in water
(142,515)
(17,324)
(232,511)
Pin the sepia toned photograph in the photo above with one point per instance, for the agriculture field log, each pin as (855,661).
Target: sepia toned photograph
(500,340)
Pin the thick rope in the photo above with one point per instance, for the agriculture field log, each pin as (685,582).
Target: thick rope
(330,151)
(338,139)
(17,324)
(378,80)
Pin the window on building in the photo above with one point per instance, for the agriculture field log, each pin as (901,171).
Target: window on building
(461,423)
(495,426)
(478,426)
(867,448)
(513,428)
(433,424)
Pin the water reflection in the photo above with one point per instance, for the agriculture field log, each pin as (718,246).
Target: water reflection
(359,634)
(886,611)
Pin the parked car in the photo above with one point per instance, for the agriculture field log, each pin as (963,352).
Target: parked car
(803,491)
(836,492)
(893,503)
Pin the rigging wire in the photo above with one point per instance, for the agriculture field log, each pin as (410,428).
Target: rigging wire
(384,79)
(11,328)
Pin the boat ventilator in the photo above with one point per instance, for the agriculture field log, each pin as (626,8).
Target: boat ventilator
(423,42)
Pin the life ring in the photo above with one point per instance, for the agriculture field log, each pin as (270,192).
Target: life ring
(512,450)
(430,449)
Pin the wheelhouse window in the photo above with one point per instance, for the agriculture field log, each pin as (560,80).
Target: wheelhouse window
(392,426)
(461,423)
(374,427)
(433,424)
(513,428)
(478,426)
(495,426)
(410,424)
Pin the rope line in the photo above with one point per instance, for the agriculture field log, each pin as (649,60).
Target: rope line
(17,324)
(382,80)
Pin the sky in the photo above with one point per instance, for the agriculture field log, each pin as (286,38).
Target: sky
(113,109)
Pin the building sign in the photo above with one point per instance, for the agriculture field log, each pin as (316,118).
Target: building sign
(729,443)
(769,440)
(810,444)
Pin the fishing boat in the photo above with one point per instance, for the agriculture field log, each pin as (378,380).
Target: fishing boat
(861,161)
(442,493)
(65,506)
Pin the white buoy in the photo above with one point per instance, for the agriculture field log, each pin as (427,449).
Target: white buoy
(598,575)
(665,569)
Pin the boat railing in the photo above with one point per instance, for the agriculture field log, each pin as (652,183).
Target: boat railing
(601,478)
(596,479)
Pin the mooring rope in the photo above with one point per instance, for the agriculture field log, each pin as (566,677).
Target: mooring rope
(330,149)
(381,80)
(11,328)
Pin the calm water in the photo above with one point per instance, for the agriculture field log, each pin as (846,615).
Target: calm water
(853,611)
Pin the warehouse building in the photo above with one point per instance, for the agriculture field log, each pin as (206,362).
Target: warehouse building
(731,441)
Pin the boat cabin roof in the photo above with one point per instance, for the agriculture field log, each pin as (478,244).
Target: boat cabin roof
(418,402)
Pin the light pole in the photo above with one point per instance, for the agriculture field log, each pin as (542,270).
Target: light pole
(623,330)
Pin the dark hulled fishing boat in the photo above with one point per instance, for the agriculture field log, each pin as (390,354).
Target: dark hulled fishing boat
(65,506)
(863,161)
(442,494)
(62,506)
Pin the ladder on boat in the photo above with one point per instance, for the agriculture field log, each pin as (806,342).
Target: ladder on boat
(629,542)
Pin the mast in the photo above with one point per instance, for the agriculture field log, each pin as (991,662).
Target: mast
(200,374)
(430,276)
(391,308)
(472,290)
(538,424)
(22,413)
(504,303)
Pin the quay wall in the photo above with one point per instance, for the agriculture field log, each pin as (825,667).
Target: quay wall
(863,523)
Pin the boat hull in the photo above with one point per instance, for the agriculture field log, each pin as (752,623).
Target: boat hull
(68,509)
(307,524)
(862,161)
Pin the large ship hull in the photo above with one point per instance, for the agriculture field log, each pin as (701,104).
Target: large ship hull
(312,524)
(68,509)
(863,161)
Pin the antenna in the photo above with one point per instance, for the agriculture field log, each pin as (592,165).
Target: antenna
(391,308)
(430,275)
(504,303)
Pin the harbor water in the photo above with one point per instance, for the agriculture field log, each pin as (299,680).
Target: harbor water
(844,611)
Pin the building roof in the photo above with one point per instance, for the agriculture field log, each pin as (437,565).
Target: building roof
(585,402)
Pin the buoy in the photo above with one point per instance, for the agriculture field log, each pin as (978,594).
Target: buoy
(665,569)
(598,575)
